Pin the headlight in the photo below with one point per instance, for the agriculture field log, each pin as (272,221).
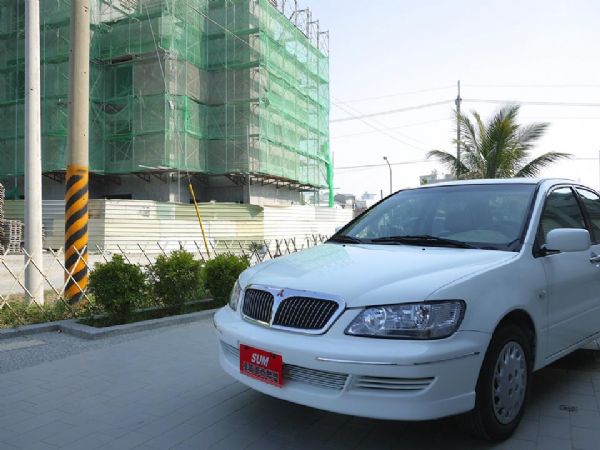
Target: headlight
(234,297)
(429,320)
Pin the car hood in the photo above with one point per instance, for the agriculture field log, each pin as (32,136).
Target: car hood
(373,274)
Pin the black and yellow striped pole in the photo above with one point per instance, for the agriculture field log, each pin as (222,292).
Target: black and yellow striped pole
(77,195)
(76,232)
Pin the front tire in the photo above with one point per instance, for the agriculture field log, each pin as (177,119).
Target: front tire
(503,385)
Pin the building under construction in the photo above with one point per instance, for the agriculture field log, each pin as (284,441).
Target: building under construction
(230,94)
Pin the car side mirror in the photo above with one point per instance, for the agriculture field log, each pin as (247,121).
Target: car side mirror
(568,240)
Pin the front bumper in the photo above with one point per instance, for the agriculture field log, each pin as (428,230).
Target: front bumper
(377,378)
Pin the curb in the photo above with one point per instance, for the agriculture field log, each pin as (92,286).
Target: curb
(74,328)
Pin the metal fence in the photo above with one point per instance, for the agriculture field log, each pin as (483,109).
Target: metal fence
(55,275)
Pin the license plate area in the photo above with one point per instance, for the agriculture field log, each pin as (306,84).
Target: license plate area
(261,365)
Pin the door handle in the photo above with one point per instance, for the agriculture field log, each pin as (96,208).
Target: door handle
(595,259)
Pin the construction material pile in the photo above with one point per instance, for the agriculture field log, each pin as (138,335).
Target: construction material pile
(11,231)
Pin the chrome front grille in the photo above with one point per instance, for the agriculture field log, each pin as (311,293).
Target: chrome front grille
(291,309)
(393,384)
(304,313)
(258,305)
(320,378)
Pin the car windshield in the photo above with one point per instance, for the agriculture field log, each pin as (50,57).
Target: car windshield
(488,216)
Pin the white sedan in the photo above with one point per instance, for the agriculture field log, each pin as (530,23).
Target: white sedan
(437,301)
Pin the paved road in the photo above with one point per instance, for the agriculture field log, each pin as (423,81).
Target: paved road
(164,389)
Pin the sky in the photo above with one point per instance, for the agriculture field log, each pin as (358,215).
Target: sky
(393,54)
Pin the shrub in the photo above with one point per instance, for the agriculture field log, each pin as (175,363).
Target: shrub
(221,273)
(118,287)
(176,279)
(21,313)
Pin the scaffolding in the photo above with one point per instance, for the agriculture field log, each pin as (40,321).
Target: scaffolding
(200,86)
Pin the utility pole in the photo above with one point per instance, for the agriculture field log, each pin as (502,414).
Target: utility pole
(390,167)
(76,195)
(34,283)
(457,102)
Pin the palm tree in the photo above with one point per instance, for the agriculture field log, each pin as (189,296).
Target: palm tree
(497,149)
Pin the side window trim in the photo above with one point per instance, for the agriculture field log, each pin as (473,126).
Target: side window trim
(538,245)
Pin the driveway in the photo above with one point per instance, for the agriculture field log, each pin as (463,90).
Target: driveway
(164,389)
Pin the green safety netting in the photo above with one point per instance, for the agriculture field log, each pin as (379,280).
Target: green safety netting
(211,86)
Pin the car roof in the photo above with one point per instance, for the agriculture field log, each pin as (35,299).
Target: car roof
(499,181)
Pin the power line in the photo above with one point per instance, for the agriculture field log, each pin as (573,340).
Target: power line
(534,103)
(380,125)
(559,118)
(432,160)
(368,166)
(374,127)
(391,111)
(390,128)
(474,85)
(398,94)
(543,86)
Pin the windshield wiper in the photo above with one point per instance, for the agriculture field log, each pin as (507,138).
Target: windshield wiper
(344,239)
(424,239)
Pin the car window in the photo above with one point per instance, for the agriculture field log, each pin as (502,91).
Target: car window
(395,221)
(591,203)
(561,211)
(485,216)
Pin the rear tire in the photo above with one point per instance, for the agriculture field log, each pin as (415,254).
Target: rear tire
(503,386)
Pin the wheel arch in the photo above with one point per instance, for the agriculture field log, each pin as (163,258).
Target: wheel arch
(523,320)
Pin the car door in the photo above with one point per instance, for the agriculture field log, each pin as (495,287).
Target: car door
(590,201)
(573,282)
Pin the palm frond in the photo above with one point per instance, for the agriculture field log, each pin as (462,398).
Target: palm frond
(532,168)
(530,133)
(498,147)
(448,160)
(469,138)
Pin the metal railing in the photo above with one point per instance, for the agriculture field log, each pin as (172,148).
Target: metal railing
(55,275)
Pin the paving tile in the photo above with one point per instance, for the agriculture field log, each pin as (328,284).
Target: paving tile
(585,438)
(273,443)
(511,444)
(7,446)
(551,443)
(37,421)
(40,445)
(9,419)
(581,387)
(587,402)
(127,441)
(585,419)
(555,427)
(90,442)
(29,437)
(207,437)
(173,437)
(529,429)
(552,405)
(241,437)
(69,436)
